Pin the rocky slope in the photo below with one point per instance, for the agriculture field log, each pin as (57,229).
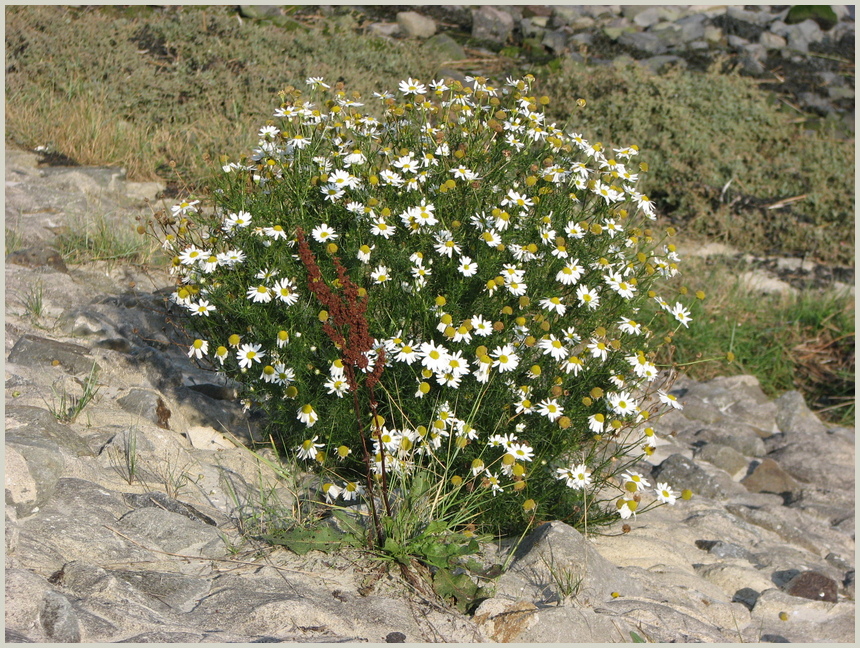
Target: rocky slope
(135,521)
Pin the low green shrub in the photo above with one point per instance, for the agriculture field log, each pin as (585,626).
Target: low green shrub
(728,163)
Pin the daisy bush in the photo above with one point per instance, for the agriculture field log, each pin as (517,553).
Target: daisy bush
(444,284)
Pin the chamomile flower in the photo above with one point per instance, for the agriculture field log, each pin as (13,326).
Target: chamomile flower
(681,314)
(323,233)
(553,304)
(285,290)
(554,347)
(260,294)
(434,357)
(550,408)
(575,477)
(481,326)
(467,267)
(588,297)
(633,482)
(185,207)
(665,494)
(669,399)
(307,415)
(237,219)
(627,325)
(248,354)
(505,358)
(462,173)
(192,254)
(412,87)
(203,307)
(198,349)
(336,386)
(381,228)
(622,403)
(381,274)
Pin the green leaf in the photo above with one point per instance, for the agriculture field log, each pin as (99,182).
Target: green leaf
(458,587)
(301,540)
(636,638)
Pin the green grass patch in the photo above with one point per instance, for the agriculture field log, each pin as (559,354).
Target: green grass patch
(100,239)
(139,89)
(803,341)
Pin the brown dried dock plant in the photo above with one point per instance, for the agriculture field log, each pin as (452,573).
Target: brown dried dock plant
(344,322)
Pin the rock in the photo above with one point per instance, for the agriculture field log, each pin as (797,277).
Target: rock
(557,547)
(447,47)
(58,619)
(37,257)
(772,41)
(813,586)
(658,64)
(491,24)
(414,25)
(169,552)
(504,621)
(738,436)
(644,41)
(36,349)
(795,417)
(386,30)
(555,41)
(172,532)
(680,472)
(723,549)
(769,477)
(723,457)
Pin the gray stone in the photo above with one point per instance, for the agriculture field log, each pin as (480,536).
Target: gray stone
(560,547)
(661,623)
(735,435)
(654,15)
(773,520)
(555,41)
(723,549)
(34,425)
(723,457)
(772,41)
(491,24)
(565,14)
(58,619)
(736,42)
(25,592)
(32,349)
(760,18)
(681,472)
(38,256)
(173,532)
(415,25)
(769,477)
(146,404)
(531,29)
(659,64)
(644,41)
(692,28)
(179,592)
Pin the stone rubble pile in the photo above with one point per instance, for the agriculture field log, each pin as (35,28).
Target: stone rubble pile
(800,59)
(136,521)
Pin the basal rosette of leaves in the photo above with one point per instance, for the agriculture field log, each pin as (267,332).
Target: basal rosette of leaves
(455,286)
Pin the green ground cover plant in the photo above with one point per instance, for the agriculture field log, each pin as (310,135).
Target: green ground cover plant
(739,169)
(439,310)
